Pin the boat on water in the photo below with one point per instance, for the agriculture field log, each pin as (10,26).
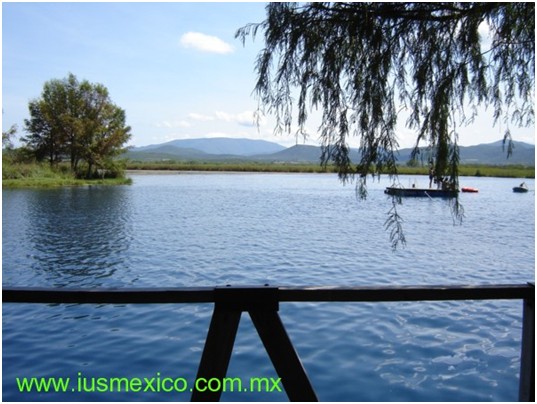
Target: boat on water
(469,189)
(521,188)
(421,192)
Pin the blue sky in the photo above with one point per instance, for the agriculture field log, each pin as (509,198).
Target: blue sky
(175,68)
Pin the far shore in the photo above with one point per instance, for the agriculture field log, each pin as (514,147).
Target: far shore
(193,172)
(42,176)
(185,169)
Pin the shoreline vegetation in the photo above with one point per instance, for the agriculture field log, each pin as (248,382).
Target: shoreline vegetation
(42,175)
(502,171)
(36,175)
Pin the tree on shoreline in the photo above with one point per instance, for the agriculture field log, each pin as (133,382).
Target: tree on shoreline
(7,138)
(76,121)
(360,64)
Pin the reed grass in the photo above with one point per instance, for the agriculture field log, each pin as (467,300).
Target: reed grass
(36,175)
(24,175)
(504,171)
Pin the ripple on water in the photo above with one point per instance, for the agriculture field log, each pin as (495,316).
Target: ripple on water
(207,230)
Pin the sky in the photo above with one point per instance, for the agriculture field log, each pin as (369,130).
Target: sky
(175,68)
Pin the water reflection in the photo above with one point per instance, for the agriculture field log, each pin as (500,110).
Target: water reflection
(72,236)
(243,229)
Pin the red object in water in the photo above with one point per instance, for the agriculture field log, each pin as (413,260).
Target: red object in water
(469,189)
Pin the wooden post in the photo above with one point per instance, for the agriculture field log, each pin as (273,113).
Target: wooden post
(527,356)
(262,303)
(217,352)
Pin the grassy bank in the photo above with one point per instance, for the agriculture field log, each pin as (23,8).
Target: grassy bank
(35,175)
(43,176)
(507,171)
(229,166)
(465,170)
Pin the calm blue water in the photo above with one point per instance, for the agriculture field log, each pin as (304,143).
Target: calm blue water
(281,229)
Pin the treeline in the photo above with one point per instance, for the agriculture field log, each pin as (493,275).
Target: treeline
(42,175)
(513,171)
(73,122)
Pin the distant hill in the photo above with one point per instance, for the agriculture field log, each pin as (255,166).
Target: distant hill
(166,152)
(221,145)
(298,154)
(225,149)
(490,153)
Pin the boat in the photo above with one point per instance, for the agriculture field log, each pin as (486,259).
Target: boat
(521,188)
(469,189)
(421,192)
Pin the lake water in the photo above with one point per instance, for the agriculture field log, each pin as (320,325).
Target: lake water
(282,229)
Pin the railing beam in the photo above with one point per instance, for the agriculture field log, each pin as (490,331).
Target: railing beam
(403,293)
(263,303)
(107,295)
(285,294)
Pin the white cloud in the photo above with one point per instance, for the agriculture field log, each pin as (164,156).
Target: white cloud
(246,118)
(199,117)
(224,116)
(205,43)
(220,134)
(484,29)
(173,124)
(486,35)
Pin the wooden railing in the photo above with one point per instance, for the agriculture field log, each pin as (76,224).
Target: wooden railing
(262,304)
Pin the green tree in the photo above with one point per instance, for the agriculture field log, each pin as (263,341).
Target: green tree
(77,121)
(103,131)
(43,141)
(7,138)
(361,64)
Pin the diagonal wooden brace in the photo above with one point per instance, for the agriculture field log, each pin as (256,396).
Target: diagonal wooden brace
(283,355)
(217,352)
(262,303)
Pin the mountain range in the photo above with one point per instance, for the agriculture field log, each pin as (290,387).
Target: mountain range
(231,149)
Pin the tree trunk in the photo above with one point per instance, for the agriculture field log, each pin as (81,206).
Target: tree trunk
(88,174)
